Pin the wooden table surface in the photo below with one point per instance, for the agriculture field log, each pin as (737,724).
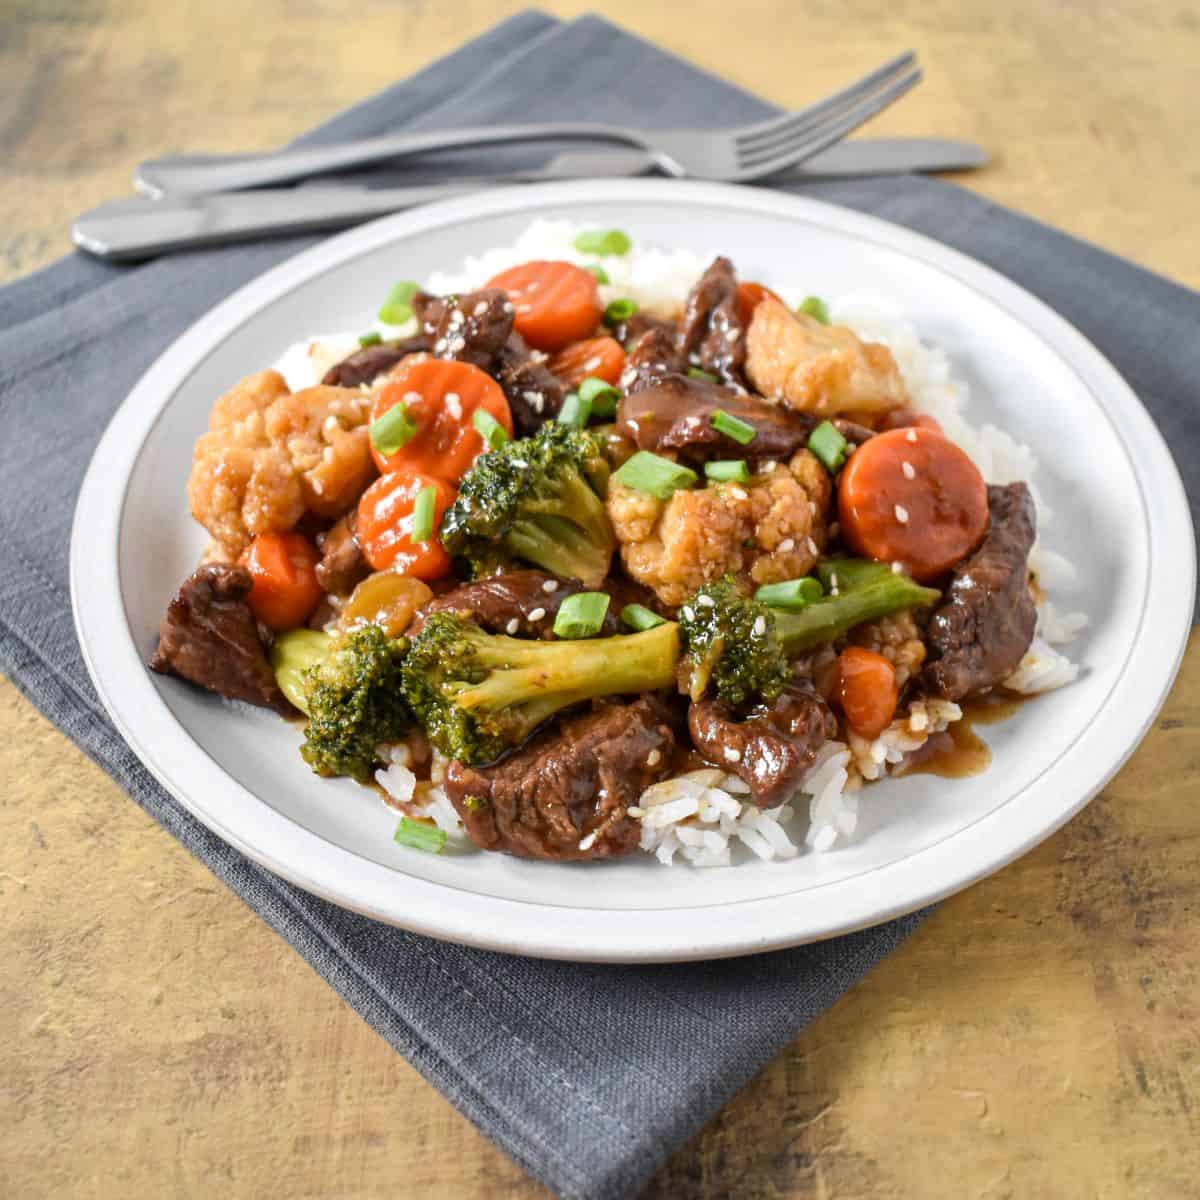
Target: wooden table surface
(1038,1037)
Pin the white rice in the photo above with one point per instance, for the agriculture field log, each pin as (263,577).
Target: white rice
(704,817)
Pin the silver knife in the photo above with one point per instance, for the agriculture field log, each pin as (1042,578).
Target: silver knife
(140,227)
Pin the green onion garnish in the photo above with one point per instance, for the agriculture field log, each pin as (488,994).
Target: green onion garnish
(370,339)
(602,396)
(640,618)
(600,273)
(422,522)
(733,427)
(732,470)
(792,595)
(394,429)
(620,310)
(701,373)
(488,428)
(420,836)
(581,615)
(575,411)
(396,308)
(828,445)
(646,472)
(603,242)
(815,307)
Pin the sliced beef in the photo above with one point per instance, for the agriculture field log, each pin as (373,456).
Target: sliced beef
(343,565)
(367,364)
(676,414)
(535,393)
(986,621)
(651,359)
(429,310)
(518,603)
(770,746)
(631,329)
(566,793)
(473,327)
(209,637)
(712,334)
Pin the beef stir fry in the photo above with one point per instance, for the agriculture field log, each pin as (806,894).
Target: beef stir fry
(550,553)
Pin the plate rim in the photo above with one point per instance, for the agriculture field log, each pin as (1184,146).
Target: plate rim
(289,850)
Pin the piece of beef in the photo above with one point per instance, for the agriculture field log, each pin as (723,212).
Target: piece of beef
(632,328)
(676,414)
(508,603)
(209,637)
(473,327)
(983,627)
(343,565)
(535,393)
(566,793)
(651,359)
(429,310)
(367,364)
(712,334)
(769,747)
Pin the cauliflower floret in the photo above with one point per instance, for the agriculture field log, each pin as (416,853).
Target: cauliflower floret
(820,369)
(898,639)
(767,530)
(269,456)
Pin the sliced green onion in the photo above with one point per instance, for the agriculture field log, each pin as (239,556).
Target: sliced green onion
(420,836)
(600,273)
(733,427)
(701,373)
(397,308)
(370,339)
(575,411)
(604,242)
(647,472)
(640,618)
(601,395)
(488,428)
(792,595)
(828,445)
(422,522)
(730,470)
(394,429)
(581,615)
(815,307)
(850,574)
(620,310)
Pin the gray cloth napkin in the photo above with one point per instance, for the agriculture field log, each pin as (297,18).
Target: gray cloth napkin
(588,1076)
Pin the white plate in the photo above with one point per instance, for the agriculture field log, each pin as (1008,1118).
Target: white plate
(1120,514)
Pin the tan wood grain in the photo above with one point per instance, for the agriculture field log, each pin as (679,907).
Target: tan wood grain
(1036,1038)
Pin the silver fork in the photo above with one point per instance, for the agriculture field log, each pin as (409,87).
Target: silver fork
(734,155)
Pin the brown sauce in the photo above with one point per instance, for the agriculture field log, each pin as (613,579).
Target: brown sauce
(959,751)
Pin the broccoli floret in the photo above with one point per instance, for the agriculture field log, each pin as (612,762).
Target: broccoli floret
(539,500)
(477,694)
(355,703)
(730,645)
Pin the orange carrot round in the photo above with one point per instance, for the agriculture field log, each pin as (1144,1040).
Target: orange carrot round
(283,567)
(385,525)
(597,358)
(866,690)
(555,303)
(912,496)
(440,399)
(749,295)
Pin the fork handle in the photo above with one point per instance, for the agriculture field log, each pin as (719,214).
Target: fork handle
(223,173)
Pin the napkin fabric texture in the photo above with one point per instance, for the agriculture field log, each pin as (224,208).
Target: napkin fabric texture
(588,1076)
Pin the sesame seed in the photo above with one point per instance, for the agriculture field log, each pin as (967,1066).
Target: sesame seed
(512,626)
(732,335)
(508,308)
(812,547)
(458,344)
(812,507)
(739,493)
(787,545)
(909,470)
(551,585)
(833,580)
(457,317)
(732,755)
(706,602)
(412,397)
(327,455)
(654,758)
(634,811)
(897,568)
(588,842)
(480,308)
(439,347)
(537,614)
(768,466)
(592,363)
(760,626)
(454,405)
(901,514)
(689,614)
(331,424)
(318,487)
(911,436)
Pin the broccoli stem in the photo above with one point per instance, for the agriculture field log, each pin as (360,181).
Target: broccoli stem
(560,547)
(826,619)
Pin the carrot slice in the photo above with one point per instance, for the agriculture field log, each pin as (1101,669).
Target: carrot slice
(598,358)
(283,567)
(555,303)
(440,399)
(912,496)
(749,295)
(385,521)
(866,690)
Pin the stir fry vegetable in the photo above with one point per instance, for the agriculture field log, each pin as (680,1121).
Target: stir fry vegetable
(283,567)
(387,514)
(554,303)
(866,690)
(293,655)
(598,358)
